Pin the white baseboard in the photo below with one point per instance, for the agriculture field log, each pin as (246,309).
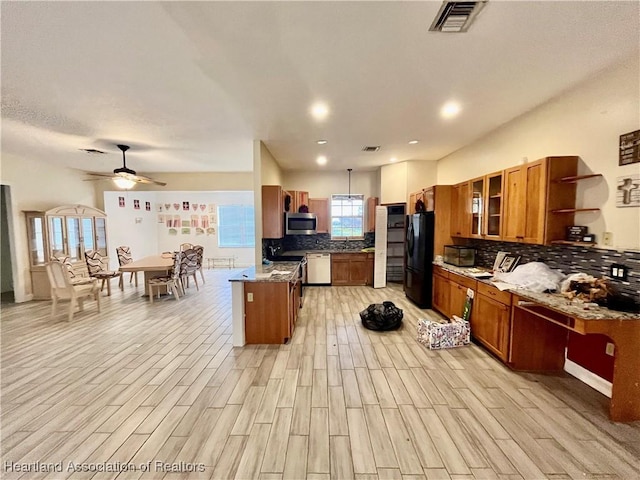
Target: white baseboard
(588,377)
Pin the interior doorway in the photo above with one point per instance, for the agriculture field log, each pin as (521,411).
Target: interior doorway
(6,266)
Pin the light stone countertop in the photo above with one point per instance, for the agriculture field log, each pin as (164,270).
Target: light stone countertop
(263,273)
(304,252)
(575,308)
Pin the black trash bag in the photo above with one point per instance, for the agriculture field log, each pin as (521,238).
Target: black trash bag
(381,316)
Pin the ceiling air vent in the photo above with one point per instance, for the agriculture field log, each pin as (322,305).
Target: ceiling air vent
(371,149)
(456,16)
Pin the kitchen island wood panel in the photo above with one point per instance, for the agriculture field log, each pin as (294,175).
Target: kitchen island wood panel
(265,303)
(267,314)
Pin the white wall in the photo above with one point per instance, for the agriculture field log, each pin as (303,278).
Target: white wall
(123,229)
(148,236)
(393,183)
(421,174)
(185,182)
(270,171)
(325,184)
(586,121)
(35,185)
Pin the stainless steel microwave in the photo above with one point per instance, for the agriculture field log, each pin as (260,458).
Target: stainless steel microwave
(300,223)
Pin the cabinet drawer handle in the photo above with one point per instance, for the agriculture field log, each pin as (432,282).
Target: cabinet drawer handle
(492,293)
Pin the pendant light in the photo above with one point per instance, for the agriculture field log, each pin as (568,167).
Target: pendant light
(349,170)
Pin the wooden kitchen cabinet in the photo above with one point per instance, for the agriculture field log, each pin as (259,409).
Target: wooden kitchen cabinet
(493,206)
(441,291)
(372,203)
(458,286)
(460,210)
(300,199)
(370,265)
(294,305)
(491,319)
(538,206)
(477,215)
(351,269)
(272,211)
(413,199)
(437,199)
(485,218)
(320,206)
(525,203)
(271,311)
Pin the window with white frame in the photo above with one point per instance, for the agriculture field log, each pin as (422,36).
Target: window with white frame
(236,226)
(347,216)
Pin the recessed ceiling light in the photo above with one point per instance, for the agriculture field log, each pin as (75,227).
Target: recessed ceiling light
(319,111)
(321,160)
(321,142)
(450,109)
(393,159)
(413,142)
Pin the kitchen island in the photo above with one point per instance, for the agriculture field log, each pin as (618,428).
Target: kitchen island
(264,301)
(531,334)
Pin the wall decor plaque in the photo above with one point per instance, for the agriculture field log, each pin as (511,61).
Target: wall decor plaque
(629,148)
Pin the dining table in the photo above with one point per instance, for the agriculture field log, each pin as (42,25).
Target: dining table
(153,266)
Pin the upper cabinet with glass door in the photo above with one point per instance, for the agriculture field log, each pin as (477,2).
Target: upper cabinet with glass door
(477,207)
(75,229)
(494,206)
(486,206)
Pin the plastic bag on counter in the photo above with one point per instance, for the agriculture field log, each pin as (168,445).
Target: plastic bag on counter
(534,276)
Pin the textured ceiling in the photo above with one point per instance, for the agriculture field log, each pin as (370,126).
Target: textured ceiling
(190,85)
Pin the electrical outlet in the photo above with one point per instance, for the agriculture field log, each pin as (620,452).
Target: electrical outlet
(610,349)
(619,271)
(249,297)
(607,238)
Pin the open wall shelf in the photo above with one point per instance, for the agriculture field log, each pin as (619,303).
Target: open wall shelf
(576,178)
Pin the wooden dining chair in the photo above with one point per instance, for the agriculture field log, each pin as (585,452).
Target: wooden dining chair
(97,269)
(63,289)
(188,268)
(199,249)
(125,258)
(73,276)
(171,282)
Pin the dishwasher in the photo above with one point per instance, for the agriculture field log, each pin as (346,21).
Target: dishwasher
(318,268)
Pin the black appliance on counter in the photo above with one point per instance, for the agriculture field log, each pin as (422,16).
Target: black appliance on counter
(418,276)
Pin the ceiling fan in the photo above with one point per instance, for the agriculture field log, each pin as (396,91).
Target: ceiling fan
(124,177)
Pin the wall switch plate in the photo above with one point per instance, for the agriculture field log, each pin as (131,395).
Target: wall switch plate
(249,297)
(610,348)
(607,238)
(619,271)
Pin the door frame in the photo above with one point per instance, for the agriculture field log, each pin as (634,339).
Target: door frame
(18,293)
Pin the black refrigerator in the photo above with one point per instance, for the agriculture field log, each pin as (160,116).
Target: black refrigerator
(419,258)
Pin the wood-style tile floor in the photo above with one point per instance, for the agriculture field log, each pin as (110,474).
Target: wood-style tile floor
(159,387)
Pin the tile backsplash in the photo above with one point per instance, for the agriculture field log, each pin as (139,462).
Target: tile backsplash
(568,259)
(319,241)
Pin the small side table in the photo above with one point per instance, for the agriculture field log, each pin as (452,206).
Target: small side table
(229,262)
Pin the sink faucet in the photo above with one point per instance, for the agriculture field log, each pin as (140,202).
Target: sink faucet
(274,250)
